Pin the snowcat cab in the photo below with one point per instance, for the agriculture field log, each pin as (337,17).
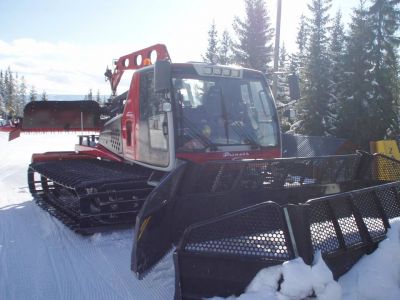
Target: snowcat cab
(200,113)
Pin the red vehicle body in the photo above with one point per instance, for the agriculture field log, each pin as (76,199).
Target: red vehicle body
(151,127)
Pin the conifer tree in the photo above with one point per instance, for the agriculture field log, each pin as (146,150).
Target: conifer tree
(225,49)
(211,55)
(385,17)
(44,97)
(32,94)
(298,58)
(283,94)
(10,94)
(21,96)
(254,45)
(98,98)
(284,67)
(357,118)
(89,96)
(385,21)
(298,61)
(314,113)
(2,90)
(337,69)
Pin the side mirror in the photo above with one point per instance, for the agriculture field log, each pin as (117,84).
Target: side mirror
(162,76)
(294,87)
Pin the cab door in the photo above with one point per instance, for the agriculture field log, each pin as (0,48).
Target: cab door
(154,129)
(130,118)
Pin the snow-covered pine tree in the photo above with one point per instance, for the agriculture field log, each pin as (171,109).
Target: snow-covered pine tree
(313,107)
(21,96)
(283,93)
(357,118)
(385,20)
(2,92)
(10,93)
(337,70)
(17,105)
(32,94)
(98,97)
(254,34)
(211,55)
(298,61)
(225,49)
(89,96)
(298,58)
(44,96)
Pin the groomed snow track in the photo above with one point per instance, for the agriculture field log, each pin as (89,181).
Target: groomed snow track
(89,195)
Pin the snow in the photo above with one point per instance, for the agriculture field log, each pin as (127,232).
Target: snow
(380,270)
(41,259)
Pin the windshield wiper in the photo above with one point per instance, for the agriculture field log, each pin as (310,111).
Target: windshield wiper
(241,131)
(195,133)
(224,114)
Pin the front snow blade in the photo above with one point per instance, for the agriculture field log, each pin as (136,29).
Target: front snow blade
(61,116)
(193,193)
(241,210)
(341,208)
(154,223)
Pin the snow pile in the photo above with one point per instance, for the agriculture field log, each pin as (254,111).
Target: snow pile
(376,276)
(299,281)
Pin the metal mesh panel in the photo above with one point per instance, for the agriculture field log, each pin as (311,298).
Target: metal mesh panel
(389,200)
(217,177)
(323,234)
(268,174)
(365,203)
(386,168)
(348,226)
(259,231)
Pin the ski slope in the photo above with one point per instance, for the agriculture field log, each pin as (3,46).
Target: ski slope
(41,259)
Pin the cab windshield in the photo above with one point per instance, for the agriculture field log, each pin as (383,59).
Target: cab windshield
(221,111)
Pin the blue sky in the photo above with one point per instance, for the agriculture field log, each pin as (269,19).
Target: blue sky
(64,46)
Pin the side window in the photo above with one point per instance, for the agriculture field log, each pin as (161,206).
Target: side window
(153,124)
(244,88)
(150,102)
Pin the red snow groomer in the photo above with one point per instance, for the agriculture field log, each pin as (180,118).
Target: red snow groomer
(191,154)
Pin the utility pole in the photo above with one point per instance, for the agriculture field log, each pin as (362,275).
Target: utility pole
(276,52)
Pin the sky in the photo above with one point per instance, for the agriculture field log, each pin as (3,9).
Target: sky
(64,47)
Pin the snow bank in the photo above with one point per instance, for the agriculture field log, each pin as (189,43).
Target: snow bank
(299,282)
(376,276)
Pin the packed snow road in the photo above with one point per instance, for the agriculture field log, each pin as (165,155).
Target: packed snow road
(41,259)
